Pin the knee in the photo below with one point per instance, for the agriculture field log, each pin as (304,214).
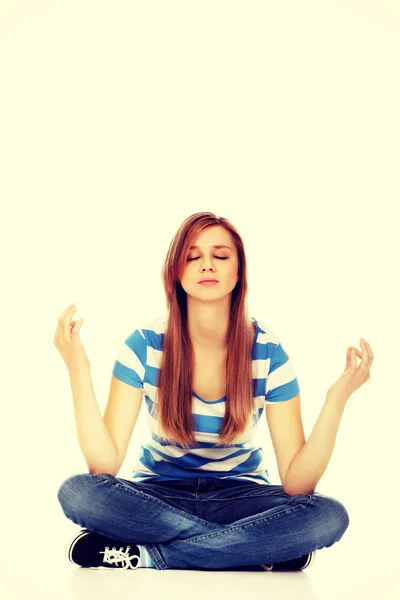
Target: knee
(73,491)
(335,517)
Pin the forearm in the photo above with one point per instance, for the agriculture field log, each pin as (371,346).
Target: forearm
(95,441)
(310,463)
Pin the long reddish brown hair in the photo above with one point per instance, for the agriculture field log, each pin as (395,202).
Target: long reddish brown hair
(175,380)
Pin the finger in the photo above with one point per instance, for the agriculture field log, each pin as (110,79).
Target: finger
(348,356)
(369,349)
(77,326)
(372,354)
(366,358)
(66,330)
(65,312)
(59,331)
(62,317)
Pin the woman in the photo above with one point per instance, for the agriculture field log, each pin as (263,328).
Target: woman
(200,497)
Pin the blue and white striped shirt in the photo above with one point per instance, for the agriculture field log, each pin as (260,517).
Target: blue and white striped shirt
(274,380)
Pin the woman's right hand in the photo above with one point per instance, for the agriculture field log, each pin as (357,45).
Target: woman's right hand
(67,342)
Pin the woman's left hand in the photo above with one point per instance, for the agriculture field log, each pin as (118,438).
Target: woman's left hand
(353,376)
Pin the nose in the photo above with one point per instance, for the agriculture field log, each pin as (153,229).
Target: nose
(204,268)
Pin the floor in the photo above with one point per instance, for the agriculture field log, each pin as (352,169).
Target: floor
(36,567)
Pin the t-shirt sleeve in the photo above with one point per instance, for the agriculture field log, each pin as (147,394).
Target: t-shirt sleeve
(130,363)
(282,383)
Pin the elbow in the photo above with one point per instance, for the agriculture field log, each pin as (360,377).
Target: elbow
(97,471)
(294,492)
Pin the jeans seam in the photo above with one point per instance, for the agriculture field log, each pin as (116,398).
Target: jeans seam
(228,528)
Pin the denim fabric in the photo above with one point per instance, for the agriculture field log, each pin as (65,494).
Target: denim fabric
(204,523)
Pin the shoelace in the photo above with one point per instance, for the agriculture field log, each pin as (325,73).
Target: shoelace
(114,556)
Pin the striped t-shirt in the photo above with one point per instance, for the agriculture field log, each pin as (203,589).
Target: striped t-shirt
(274,380)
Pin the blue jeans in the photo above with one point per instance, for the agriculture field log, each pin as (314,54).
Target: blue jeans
(204,523)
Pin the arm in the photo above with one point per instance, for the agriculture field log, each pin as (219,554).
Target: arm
(95,441)
(310,463)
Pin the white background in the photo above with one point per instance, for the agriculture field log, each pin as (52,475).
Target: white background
(119,120)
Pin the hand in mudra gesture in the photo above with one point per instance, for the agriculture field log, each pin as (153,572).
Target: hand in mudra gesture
(67,342)
(354,375)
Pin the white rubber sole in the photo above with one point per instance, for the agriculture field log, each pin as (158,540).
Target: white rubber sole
(309,563)
(311,560)
(74,539)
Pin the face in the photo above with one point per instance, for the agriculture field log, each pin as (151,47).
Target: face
(216,263)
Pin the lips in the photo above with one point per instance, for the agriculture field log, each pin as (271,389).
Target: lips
(201,280)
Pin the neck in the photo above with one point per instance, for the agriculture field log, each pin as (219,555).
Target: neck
(208,327)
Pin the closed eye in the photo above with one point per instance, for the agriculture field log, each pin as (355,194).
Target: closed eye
(220,258)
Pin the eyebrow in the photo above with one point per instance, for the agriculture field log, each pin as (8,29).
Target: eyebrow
(215,246)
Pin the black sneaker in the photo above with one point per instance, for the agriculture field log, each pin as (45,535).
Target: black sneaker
(94,551)
(296,564)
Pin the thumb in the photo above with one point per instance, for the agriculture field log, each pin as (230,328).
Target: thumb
(348,358)
(353,358)
(77,326)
